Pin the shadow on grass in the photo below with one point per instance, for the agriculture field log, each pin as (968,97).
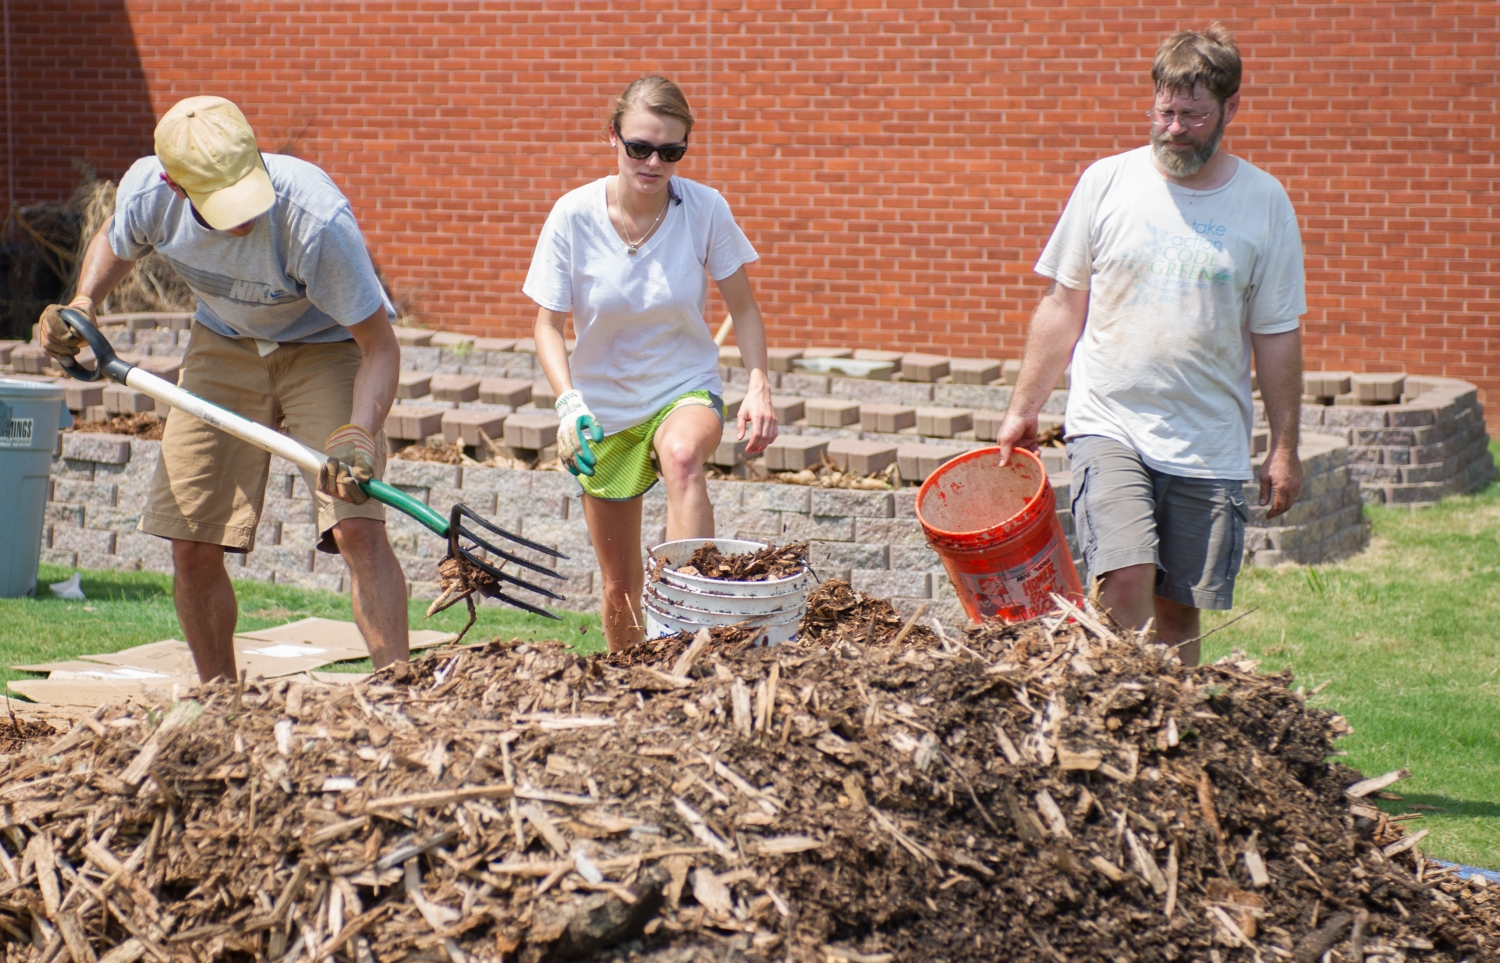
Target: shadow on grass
(1441,805)
(114,587)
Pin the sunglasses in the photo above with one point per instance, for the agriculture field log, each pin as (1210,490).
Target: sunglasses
(640,150)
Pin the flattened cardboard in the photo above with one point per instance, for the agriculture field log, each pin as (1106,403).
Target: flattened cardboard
(330,634)
(76,669)
(171,656)
(337,635)
(89,694)
(149,673)
(271,660)
(259,659)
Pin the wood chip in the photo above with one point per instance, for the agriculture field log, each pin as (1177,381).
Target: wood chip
(1367,786)
(1145,864)
(1404,843)
(443,797)
(1085,761)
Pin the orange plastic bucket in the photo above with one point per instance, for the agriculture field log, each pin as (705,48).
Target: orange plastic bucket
(997,532)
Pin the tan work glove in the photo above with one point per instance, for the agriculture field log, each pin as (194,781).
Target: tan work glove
(59,340)
(351,460)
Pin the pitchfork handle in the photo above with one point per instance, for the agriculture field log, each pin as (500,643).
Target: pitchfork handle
(304,456)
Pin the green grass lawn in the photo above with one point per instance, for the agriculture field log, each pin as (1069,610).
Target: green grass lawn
(131,608)
(1409,634)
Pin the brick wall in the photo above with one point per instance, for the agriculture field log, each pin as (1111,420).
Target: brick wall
(898,164)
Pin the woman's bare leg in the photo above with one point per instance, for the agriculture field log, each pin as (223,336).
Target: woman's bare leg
(615,530)
(683,442)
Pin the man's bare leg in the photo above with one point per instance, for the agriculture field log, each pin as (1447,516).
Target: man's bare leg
(206,607)
(1177,623)
(1129,594)
(378,589)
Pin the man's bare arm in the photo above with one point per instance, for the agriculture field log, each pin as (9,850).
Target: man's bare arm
(375,383)
(1278,371)
(102,270)
(1056,326)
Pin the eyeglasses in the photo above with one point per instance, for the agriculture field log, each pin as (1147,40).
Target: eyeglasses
(1165,118)
(640,150)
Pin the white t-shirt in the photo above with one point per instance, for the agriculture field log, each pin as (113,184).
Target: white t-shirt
(1177,280)
(302,274)
(642,338)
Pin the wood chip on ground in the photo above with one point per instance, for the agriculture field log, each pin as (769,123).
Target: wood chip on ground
(837,798)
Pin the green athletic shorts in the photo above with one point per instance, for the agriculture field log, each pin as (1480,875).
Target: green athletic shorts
(624,468)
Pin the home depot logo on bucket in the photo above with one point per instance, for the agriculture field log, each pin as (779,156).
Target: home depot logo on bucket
(1017,593)
(995,528)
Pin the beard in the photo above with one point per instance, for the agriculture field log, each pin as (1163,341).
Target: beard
(1180,164)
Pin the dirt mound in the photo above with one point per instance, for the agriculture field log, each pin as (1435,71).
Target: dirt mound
(1046,792)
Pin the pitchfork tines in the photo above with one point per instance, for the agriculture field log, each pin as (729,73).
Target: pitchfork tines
(457,532)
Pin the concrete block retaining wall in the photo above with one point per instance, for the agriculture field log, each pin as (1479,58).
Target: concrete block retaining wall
(1413,453)
(1434,444)
(873,539)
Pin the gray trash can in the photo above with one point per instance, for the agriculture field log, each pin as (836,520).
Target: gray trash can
(31,412)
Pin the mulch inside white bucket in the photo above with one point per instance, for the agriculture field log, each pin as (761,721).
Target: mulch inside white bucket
(679,601)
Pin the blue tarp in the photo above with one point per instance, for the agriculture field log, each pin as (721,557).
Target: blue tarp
(1464,872)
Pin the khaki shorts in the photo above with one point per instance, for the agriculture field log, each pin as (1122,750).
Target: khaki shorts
(1127,513)
(209,486)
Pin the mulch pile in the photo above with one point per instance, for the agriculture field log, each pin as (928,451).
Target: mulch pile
(442,454)
(1044,792)
(16,733)
(144,425)
(825,475)
(761,565)
(454,453)
(829,475)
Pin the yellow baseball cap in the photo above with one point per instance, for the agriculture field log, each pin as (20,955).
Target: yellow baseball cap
(208,148)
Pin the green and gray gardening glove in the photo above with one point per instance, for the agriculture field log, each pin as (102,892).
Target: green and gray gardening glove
(351,461)
(577,428)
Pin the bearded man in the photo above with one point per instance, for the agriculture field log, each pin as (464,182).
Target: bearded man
(1171,267)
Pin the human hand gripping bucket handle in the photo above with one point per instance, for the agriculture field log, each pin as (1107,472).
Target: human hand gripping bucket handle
(997,532)
(462,539)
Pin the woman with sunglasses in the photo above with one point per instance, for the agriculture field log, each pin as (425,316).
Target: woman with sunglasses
(629,256)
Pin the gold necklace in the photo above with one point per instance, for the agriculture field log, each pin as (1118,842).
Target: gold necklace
(633,247)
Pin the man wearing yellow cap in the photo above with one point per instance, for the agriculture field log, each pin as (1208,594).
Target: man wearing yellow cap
(292,329)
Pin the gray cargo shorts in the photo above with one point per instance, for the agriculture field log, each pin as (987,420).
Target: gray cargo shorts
(1127,513)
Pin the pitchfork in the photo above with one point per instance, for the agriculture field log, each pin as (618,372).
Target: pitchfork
(111,366)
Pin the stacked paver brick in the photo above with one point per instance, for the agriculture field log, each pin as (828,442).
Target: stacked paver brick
(1430,445)
(1326,523)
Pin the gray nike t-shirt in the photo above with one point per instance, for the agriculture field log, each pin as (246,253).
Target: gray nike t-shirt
(302,274)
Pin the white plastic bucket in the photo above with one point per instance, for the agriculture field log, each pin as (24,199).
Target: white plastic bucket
(679,602)
(682,619)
